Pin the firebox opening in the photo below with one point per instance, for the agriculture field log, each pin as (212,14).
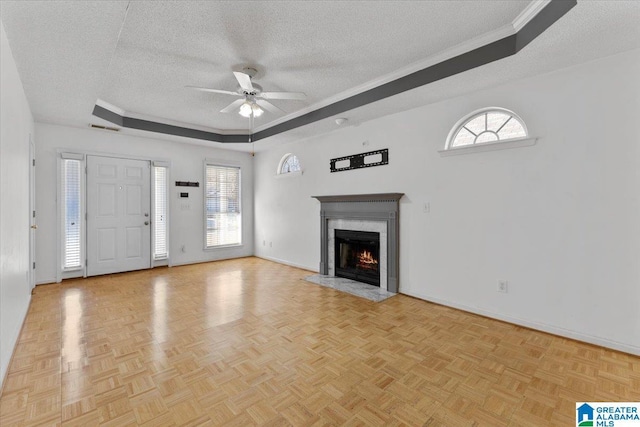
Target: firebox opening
(357,255)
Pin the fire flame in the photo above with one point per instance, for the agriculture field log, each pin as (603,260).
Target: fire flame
(366,258)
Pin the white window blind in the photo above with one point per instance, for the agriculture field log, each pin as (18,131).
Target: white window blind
(223,222)
(160,213)
(71,199)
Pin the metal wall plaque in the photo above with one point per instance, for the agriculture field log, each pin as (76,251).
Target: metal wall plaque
(362,160)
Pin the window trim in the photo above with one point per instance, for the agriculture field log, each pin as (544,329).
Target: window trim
(289,174)
(225,164)
(282,162)
(61,272)
(67,272)
(166,165)
(502,144)
(489,146)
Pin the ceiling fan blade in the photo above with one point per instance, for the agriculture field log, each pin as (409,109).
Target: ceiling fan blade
(235,104)
(283,95)
(244,81)
(269,106)
(205,89)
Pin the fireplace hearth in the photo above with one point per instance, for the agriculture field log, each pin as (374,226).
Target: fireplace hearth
(357,256)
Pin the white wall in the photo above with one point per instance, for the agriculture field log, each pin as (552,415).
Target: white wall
(16,125)
(186,225)
(559,220)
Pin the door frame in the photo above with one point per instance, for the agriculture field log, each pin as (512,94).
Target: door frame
(32,214)
(82,272)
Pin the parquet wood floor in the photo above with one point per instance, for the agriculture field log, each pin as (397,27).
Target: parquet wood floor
(247,342)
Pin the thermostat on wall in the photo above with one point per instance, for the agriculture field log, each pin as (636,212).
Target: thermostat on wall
(184,195)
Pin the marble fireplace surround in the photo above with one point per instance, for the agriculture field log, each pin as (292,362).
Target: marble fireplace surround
(365,212)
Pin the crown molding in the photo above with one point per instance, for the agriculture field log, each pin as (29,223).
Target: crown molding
(452,52)
(520,21)
(104,104)
(489,47)
(528,14)
(133,115)
(165,128)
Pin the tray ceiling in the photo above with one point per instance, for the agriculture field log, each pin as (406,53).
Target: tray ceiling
(139,56)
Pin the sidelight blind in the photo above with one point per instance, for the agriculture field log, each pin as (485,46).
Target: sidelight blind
(160,213)
(71,198)
(223,222)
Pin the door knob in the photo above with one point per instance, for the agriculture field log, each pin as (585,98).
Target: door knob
(146,223)
(146,214)
(34,226)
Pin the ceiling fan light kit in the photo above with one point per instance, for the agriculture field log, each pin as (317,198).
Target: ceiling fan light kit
(245,109)
(255,100)
(256,110)
(248,108)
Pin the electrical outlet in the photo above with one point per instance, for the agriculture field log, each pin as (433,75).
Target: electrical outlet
(503,286)
(183,249)
(270,244)
(426,208)
(264,243)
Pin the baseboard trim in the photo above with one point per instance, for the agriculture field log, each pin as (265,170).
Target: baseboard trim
(204,261)
(566,333)
(13,351)
(290,264)
(46,281)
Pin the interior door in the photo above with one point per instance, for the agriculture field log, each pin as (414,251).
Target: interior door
(118,220)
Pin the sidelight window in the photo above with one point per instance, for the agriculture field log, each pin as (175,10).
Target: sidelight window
(160,212)
(71,192)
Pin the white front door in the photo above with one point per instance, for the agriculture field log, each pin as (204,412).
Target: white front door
(118,215)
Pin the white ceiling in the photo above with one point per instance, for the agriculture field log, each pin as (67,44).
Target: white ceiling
(139,56)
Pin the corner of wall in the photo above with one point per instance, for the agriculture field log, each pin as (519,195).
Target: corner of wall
(16,129)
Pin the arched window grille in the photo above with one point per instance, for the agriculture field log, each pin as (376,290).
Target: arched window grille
(486,126)
(289,164)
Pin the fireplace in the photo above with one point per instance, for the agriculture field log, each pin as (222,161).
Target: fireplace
(357,255)
(372,213)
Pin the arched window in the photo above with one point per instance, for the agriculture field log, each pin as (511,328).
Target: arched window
(289,164)
(486,126)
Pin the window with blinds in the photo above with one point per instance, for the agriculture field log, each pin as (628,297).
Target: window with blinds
(223,222)
(160,213)
(71,199)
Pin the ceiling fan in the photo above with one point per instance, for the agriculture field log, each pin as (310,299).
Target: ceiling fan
(253,100)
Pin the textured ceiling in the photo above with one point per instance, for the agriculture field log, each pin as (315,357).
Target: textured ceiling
(139,56)
(320,48)
(62,50)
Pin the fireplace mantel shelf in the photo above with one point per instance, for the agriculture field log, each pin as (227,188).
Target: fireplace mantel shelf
(381,197)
